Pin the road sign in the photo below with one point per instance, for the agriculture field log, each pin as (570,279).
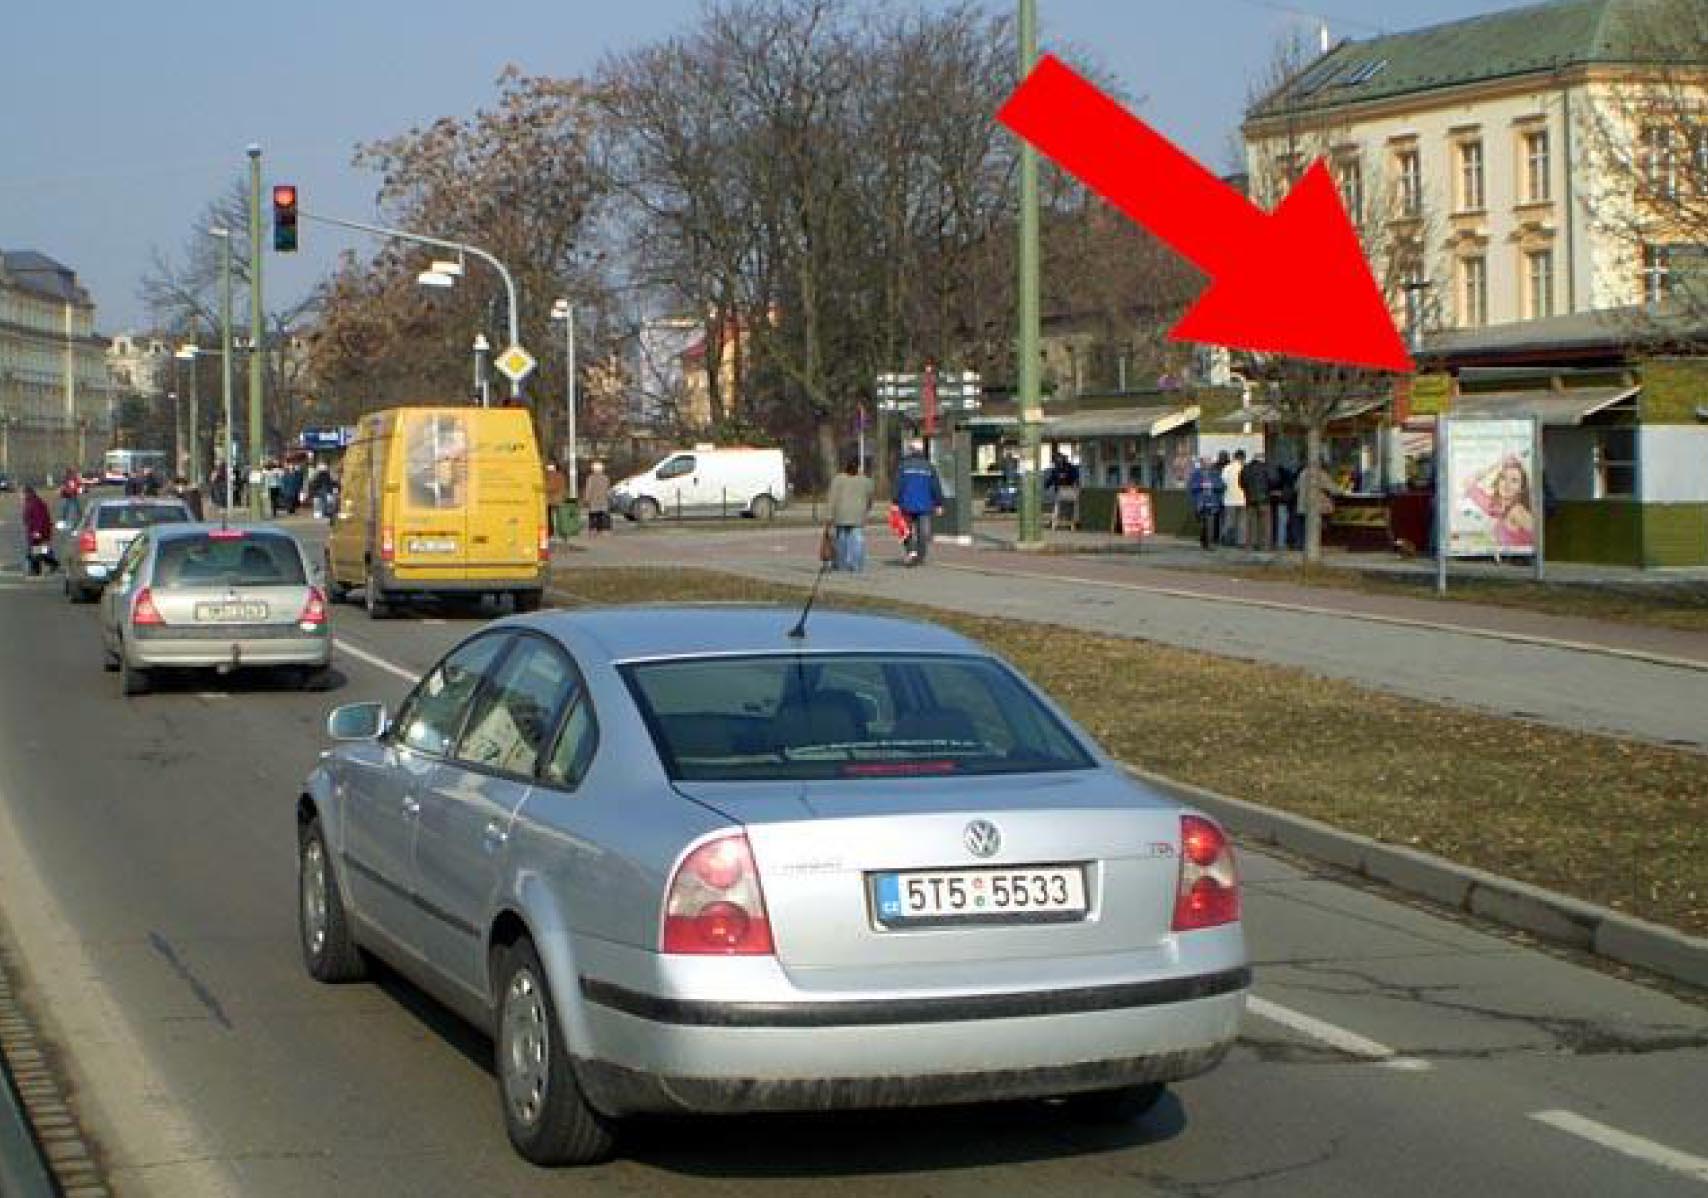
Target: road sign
(516,363)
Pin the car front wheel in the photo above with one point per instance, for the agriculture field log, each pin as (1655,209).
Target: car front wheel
(328,949)
(548,1118)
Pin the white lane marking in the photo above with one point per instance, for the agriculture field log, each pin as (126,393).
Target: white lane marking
(1694,1167)
(213,694)
(378,663)
(1350,1043)
(433,623)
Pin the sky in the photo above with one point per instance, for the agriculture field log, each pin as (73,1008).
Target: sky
(118,129)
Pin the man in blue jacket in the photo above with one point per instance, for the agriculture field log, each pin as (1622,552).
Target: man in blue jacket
(919,495)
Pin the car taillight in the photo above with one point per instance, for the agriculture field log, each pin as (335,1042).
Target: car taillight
(1209,883)
(545,543)
(714,904)
(388,545)
(314,611)
(143,611)
(86,543)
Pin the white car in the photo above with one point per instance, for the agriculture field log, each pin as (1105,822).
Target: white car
(706,481)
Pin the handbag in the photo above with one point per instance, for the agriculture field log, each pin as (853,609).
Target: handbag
(827,545)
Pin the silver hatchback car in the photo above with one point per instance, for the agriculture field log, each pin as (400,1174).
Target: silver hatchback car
(194,596)
(674,859)
(101,537)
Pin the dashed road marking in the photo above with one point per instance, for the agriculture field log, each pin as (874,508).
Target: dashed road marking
(1334,1036)
(1636,1147)
(379,663)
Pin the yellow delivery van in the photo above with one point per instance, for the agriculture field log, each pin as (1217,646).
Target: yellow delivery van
(440,502)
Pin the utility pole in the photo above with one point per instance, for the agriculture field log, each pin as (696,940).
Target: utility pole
(564,310)
(224,236)
(1029,399)
(257,332)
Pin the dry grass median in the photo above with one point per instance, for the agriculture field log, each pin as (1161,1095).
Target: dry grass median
(1610,821)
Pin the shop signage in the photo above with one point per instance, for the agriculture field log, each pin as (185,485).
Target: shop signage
(1133,509)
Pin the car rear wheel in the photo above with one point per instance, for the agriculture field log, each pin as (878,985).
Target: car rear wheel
(379,607)
(314,678)
(328,949)
(548,1118)
(336,591)
(1125,1105)
(132,681)
(644,511)
(763,507)
(529,601)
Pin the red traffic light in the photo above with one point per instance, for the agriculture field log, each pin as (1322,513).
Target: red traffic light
(284,217)
(284,196)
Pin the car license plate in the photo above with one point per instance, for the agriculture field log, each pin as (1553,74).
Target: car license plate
(432,545)
(1004,895)
(96,571)
(231,613)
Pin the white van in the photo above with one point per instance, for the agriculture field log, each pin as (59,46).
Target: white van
(705,481)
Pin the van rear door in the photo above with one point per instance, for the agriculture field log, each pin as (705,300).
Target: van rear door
(507,489)
(432,534)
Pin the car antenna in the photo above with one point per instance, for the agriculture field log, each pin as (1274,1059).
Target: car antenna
(799,631)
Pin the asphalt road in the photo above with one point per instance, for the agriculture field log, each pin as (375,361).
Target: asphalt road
(147,882)
(1550,682)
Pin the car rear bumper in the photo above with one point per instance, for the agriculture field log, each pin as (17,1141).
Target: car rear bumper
(656,1054)
(89,571)
(197,648)
(461,579)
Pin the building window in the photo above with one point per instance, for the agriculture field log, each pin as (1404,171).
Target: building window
(1539,283)
(1470,176)
(1616,463)
(1536,166)
(1699,159)
(1473,292)
(1657,163)
(1657,274)
(1408,171)
(1349,177)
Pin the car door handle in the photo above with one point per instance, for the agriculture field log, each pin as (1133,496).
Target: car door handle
(411,805)
(495,836)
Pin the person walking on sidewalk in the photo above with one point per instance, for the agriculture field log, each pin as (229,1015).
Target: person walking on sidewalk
(557,491)
(1233,501)
(919,495)
(1280,503)
(596,498)
(70,499)
(1254,481)
(38,535)
(1205,486)
(850,500)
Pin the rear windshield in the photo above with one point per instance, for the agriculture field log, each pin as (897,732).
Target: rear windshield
(846,716)
(139,515)
(246,559)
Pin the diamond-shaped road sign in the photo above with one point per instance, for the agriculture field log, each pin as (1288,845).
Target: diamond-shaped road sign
(516,363)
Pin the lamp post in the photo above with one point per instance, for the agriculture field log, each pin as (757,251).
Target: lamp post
(257,328)
(565,311)
(481,347)
(191,354)
(224,236)
(1027,342)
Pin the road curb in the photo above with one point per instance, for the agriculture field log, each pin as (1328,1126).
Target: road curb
(1548,915)
(24,1171)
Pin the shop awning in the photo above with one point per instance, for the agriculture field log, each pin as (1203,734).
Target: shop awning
(1555,409)
(1140,422)
(1346,409)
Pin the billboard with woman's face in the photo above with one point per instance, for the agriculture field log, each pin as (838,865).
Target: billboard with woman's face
(1492,488)
(436,460)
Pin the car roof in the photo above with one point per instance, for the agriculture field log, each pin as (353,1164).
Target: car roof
(650,632)
(175,532)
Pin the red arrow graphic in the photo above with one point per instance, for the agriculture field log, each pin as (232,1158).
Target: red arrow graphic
(1293,281)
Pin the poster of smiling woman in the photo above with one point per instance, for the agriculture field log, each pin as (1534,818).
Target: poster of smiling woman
(1492,489)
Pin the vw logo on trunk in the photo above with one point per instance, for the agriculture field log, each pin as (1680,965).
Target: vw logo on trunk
(981,838)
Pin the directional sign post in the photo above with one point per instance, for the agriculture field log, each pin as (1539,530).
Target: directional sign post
(516,363)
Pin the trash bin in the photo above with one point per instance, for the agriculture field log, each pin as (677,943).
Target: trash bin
(567,519)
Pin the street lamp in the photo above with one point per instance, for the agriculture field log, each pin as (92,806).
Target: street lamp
(224,236)
(481,347)
(565,311)
(188,353)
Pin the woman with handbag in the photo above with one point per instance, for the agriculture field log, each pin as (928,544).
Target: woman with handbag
(38,534)
(844,540)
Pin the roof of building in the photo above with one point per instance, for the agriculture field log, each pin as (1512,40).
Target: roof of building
(1610,329)
(1518,41)
(36,272)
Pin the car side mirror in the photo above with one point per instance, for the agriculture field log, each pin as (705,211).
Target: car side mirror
(357,721)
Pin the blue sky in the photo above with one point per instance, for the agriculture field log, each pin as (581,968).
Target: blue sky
(119,127)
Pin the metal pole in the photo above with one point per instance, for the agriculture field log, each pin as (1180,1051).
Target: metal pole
(1029,398)
(195,418)
(1538,490)
(569,322)
(1443,481)
(257,333)
(225,369)
(461,247)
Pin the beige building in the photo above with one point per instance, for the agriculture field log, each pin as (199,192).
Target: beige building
(139,364)
(1476,159)
(55,396)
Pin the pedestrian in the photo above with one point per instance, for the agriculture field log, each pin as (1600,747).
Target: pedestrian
(596,498)
(274,480)
(919,495)
(71,499)
(191,496)
(557,491)
(38,535)
(1314,478)
(1281,503)
(1254,481)
(1205,487)
(850,500)
(1233,501)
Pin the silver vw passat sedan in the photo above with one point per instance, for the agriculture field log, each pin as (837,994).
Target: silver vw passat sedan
(675,859)
(191,596)
(98,542)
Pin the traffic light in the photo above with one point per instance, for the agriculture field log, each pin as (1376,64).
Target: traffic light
(285,217)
